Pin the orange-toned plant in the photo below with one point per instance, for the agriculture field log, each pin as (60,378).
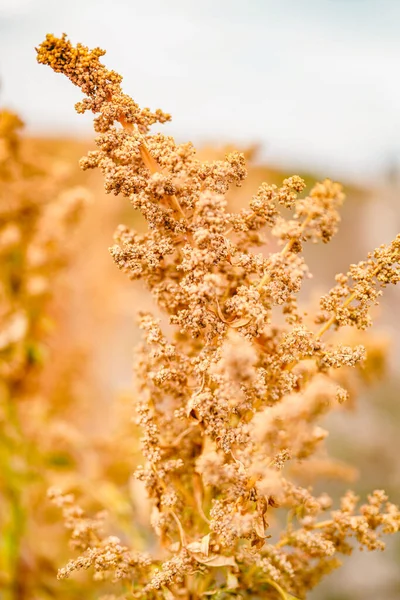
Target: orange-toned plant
(233,400)
(38,212)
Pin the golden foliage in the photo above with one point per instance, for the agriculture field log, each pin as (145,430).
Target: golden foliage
(236,396)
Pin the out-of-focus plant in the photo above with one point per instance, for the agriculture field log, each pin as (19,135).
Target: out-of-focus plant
(38,213)
(236,398)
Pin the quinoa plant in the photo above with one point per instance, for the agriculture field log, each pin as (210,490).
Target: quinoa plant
(38,211)
(232,401)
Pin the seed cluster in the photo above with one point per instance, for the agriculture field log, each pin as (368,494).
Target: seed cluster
(234,399)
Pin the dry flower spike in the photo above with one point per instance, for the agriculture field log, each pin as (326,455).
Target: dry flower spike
(242,393)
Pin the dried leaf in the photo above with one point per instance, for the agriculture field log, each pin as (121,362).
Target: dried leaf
(240,322)
(259,526)
(232,582)
(201,547)
(194,547)
(219,313)
(198,496)
(205,544)
(242,468)
(217,560)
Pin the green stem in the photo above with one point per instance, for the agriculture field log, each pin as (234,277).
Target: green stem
(10,550)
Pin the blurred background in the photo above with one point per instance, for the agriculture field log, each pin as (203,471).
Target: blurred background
(313,81)
(302,86)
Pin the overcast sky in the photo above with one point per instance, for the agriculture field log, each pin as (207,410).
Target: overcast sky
(315,82)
